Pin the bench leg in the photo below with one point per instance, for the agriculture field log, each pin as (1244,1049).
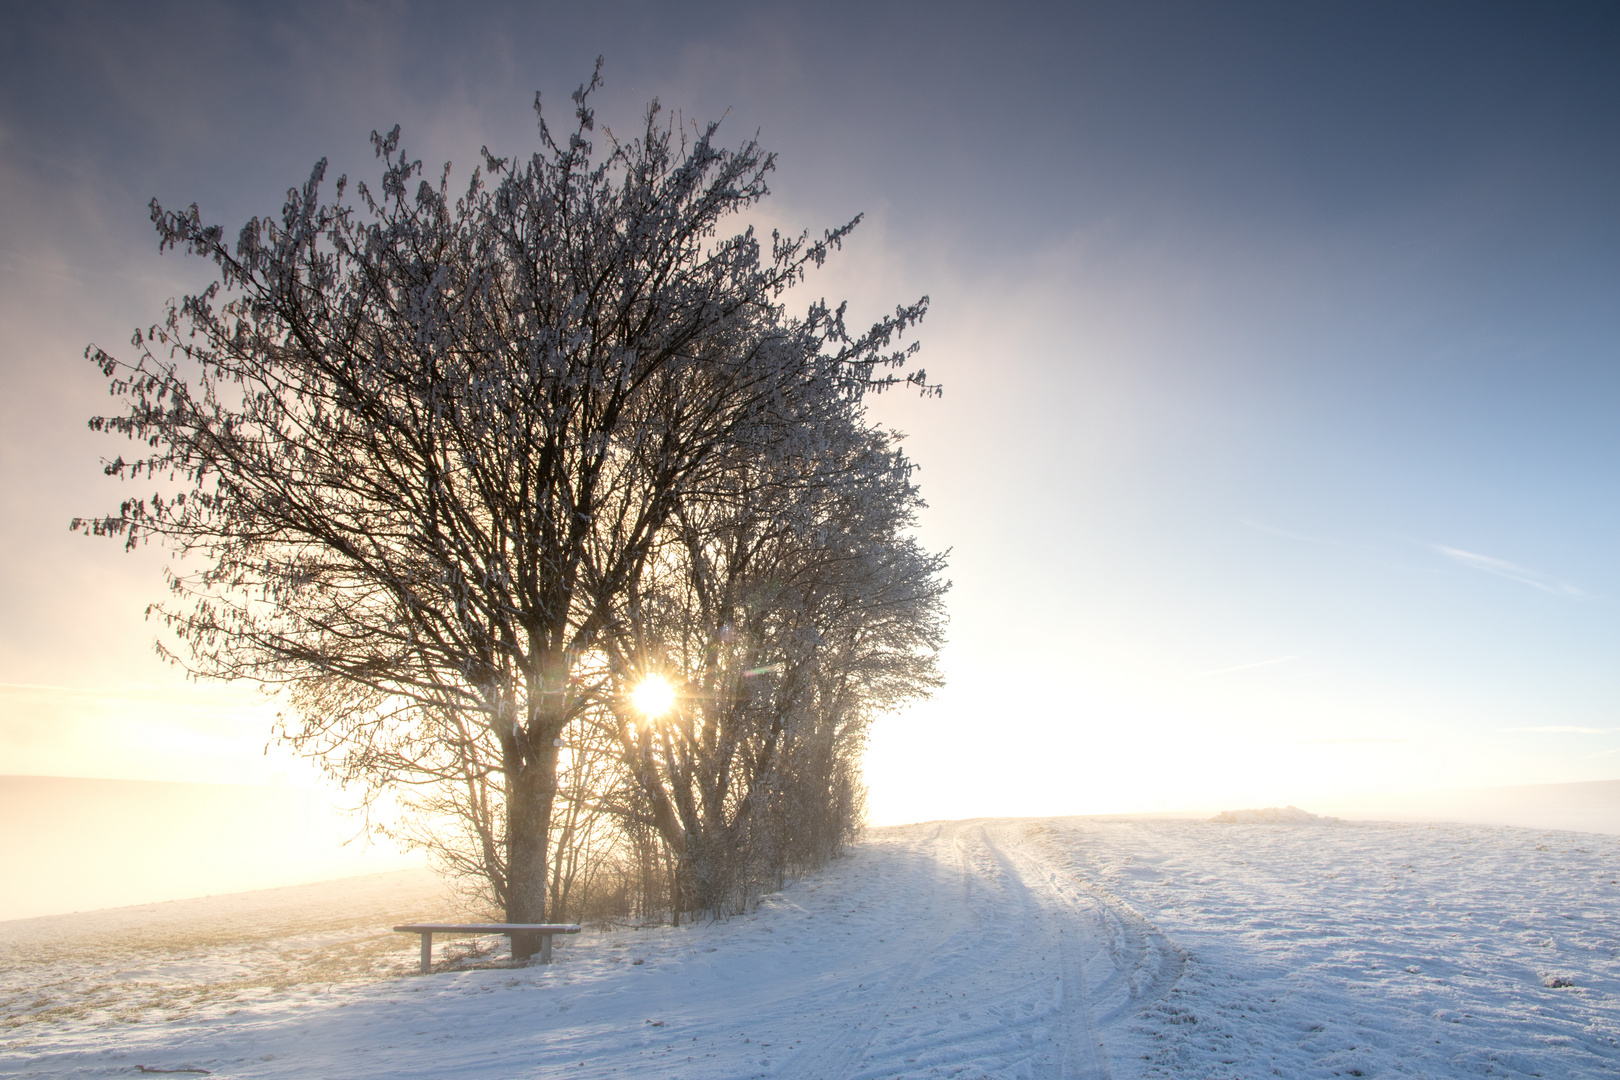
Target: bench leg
(545,948)
(427,953)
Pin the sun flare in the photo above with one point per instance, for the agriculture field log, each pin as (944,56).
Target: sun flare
(654,697)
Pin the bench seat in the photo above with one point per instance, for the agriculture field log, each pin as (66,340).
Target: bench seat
(427,930)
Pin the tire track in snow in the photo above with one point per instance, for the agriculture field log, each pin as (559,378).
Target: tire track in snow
(1014,968)
(1139,962)
(837,1057)
(1080,1053)
(1005,1025)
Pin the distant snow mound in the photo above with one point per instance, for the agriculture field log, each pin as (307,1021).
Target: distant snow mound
(1272,815)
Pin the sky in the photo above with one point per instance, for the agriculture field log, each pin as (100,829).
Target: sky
(1277,454)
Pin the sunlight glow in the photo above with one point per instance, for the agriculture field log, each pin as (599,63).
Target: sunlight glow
(654,697)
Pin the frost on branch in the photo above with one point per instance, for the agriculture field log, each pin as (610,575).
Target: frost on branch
(424,451)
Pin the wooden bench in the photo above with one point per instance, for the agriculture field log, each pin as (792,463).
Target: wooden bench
(545,930)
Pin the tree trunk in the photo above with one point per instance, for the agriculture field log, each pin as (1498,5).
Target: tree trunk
(533,792)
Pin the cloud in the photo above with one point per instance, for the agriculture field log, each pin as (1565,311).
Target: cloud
(1246,667)
(1564,729)
(1511,571)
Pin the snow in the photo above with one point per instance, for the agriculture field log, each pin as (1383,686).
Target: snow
(1074,947)
(1591,806)
(1271,815)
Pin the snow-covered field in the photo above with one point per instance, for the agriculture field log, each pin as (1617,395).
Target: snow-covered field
(1069,947)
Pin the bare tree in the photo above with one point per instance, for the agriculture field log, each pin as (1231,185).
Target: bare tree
(412,453)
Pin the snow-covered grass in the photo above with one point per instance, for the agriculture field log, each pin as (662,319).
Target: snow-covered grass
(1065,947)
(1368,949)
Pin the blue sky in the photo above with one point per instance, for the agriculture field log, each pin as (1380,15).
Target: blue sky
(1278,453)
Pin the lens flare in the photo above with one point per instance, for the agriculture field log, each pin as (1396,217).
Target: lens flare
(654,697)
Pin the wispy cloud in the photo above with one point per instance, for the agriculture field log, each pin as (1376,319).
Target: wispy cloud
(1511,571)
(1246,667)
(1565,729)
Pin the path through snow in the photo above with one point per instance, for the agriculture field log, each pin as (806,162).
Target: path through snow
(1075,947)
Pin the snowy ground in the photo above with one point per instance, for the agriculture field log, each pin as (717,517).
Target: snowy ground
(1060,948)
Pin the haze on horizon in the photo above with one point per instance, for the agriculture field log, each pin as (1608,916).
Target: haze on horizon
(1277,455)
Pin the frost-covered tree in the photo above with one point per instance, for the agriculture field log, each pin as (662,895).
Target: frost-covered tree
(413,449)
(786,603)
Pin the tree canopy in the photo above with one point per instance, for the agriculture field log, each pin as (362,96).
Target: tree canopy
(448,464)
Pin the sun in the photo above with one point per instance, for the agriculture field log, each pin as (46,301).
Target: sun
(654,697)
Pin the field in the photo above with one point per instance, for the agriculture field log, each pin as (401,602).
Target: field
(1067,947)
